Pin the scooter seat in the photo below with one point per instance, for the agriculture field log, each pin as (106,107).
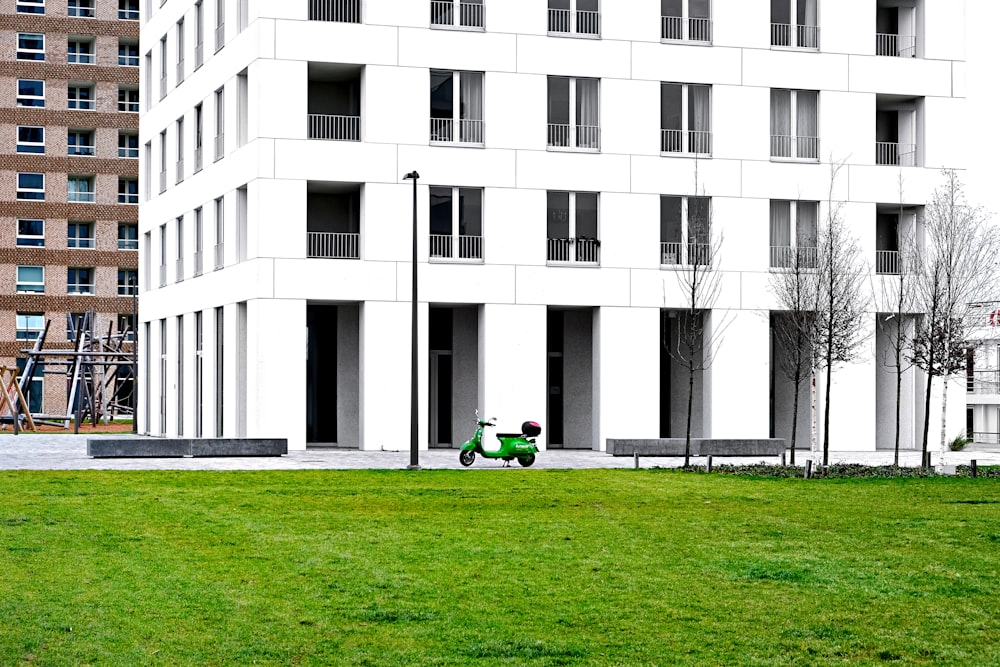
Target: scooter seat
(510,435)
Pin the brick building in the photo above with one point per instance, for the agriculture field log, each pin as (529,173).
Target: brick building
(69,102)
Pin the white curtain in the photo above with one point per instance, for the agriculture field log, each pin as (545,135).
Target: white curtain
(781,122)
(806,214)
(781,224)
(471,101)
(806,125)
(807,12)
(700,108)
(588,102)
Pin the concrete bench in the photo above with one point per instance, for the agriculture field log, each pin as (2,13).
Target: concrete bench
(181,447)
(699,447)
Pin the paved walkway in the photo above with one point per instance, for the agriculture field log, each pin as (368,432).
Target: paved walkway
(69,452)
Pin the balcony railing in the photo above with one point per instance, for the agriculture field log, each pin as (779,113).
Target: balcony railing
(581,250)
(443,246)
(470,15)
(128,14)
(179,269)
(199,55)
(197,159)
(336,128)
(899,46)
(128,152)
(163,181)
(220,145)
(81,197)
(583,137)
(673,253)
(180,171)
(220,36)
(199,262)
(163,87)
(220,255)
(982,382)
(80,149)
(80,242)
(892,153)
(579,22)
(787,257)
(163,275)
(691,29)
(795,36)
(887,262)
(801,148)
(468,131)
(180,72)
(333,245)
(698,141)
(341,11)
(80,288)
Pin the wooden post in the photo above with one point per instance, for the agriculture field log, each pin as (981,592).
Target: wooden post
(974,467)
(809,467)
(709,463)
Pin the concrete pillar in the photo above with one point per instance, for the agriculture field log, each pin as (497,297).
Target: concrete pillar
(626,374)
(737,384)
(385,375)
(276,370)
(348,380)
(512,365)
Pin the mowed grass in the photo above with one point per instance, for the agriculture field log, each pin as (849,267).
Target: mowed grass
(497,567)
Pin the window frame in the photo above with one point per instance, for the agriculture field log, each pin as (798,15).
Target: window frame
(126,13)
(795,139)
(75,101)
(124,196)
(80,9)
(75,142)
(554,139)
(128,241)
(73,237)
(682,254)
(128,151)
(30,53)
(128,59)
(76,286)
(683,143)
(450,247)
(78,195)
(572,249)
(29,147)
(30,240)
(28,326)
(81,51)
(779,260)
(125,288)
(28,101)
(30,192)
(129,106)
(36,7)
(23,286)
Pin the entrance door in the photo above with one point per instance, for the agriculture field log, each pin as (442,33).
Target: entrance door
(439,398)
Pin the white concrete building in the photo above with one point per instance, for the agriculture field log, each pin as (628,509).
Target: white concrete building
(559,143)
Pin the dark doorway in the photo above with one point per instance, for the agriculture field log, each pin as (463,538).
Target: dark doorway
(321,374)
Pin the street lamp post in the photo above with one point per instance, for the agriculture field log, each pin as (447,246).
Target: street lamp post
(135,354)
(414,421)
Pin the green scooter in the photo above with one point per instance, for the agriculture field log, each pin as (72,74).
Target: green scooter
(520,446)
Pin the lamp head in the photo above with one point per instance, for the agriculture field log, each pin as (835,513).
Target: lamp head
(414,175)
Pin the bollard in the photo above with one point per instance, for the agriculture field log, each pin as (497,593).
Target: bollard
(782,459)
(709,463)
(636,460)
(974,467)
(808,470)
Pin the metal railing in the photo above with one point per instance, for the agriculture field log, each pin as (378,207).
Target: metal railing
(333,245)
(887,262)
(982,382)
(986,438)
(581,250)
(199,262)
(899,46)
(795,36)
(698,141)
(803,148)
(220,255)
(80,288)
(336,128)
(81,197)
(579,22)
(180,72)
(163,87)
(179,269)
(180,171)
(80,242)
(80,149)
(163,181)
(220,36)
(674,253)
(892,153)
(199,55)
(128,14)
(163,275)
(127,152)
(341,11)
(468,131)
(470,15)
(787,257)
(443,246)
(584,137)
(197,159)
(691,29)
(220,145)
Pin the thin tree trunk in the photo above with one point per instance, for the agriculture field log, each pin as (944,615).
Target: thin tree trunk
(899,389)
(795,406)
(927,413)
(826,417)
(944,411)
(687,440)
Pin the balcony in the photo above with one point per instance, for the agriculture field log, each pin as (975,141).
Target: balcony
(470,248)
(469,15)
(574,22)
(982,382)
(462,131)
(795,36)
(697,142)
(579,137)
(787,257)
(794,148)
(334,128)
(340,11)
(897,46)
(675,28)
(887,262)
(892,153)
(334,245)
(574,250)
(673,253)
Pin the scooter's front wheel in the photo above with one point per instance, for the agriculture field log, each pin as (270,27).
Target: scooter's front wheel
(466,457)
(526,460)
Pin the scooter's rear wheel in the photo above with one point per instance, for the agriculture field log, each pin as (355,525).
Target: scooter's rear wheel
(526,460)
(466,457)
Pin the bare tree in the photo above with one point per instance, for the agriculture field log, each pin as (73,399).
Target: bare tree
(794,288)
(842,298)
(958,267)
(700,283)
(897,298)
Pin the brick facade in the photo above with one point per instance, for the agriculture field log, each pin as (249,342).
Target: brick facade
(105,167)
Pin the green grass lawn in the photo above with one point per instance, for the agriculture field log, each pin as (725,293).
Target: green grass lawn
(498,567)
